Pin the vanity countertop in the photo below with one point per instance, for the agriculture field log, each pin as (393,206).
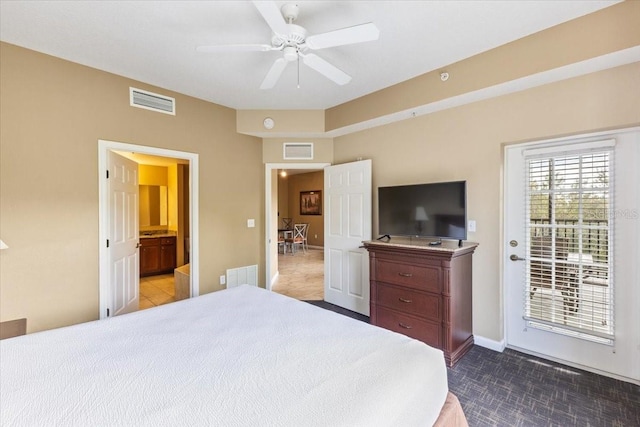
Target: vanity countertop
(156,234)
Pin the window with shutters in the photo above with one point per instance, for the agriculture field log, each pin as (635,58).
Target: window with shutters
(569,242)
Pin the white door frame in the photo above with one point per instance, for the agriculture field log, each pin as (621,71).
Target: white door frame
(268,169)
(103,148)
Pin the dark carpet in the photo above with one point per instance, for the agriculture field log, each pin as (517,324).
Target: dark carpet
(515,389)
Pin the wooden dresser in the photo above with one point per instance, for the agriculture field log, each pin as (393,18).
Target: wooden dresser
(424,292)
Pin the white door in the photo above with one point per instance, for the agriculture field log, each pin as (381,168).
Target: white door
(347,223)
(124,265)
(557,278)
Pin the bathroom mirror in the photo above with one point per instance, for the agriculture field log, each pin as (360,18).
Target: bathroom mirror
(153,205)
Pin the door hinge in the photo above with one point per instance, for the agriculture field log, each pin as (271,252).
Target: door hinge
(107,242)
(108,312)
(107,173)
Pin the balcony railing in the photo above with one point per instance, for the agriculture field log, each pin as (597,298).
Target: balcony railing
(595,235)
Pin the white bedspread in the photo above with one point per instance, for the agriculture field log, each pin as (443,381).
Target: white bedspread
(240,357)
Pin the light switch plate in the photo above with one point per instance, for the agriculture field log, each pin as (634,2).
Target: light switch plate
(223,279)
(251,223)
(472,226)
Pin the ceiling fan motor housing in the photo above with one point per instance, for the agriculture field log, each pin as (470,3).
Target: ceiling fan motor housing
(296,36)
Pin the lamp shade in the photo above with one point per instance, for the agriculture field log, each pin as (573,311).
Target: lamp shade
(3,245)
(421,214)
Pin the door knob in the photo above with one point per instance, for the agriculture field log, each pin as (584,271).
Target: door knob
(515,257)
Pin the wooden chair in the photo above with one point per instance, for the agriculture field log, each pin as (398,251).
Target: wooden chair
(305,243)
(297,238)
(282,243)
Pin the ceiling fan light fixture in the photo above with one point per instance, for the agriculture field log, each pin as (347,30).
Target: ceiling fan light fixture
(290,53)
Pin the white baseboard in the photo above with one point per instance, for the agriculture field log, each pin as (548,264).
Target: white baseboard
(498,346)
(273,279)
(577,365)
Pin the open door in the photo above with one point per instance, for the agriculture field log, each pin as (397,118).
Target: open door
(123,235)
(347,224)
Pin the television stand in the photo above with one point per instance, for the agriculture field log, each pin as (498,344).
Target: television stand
(384,236)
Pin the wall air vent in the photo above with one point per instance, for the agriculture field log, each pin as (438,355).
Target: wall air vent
(298,151)
(152,101)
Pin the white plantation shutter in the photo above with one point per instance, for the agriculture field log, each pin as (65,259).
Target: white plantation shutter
(570,240)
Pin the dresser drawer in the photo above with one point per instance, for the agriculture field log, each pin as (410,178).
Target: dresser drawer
(423,330)
(408,301)
(414,276)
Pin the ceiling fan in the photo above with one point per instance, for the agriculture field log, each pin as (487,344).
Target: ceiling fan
(293,42)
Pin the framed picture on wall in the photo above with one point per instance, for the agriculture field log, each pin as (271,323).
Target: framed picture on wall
(311,202)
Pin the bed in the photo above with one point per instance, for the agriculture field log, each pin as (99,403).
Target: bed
(243,356)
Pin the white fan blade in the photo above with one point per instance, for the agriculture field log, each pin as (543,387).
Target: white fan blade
(235,48)
(274,74)
(270,12)
(357,34)
(326,69)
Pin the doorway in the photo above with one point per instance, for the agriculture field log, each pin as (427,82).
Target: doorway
(273,221)
(347,223)
(300,255)
(570,245)
(190,251)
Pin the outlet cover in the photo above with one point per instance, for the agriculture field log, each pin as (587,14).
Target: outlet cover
(223,279)
(472,226)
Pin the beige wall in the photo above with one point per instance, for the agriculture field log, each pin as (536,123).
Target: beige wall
(283,198)
(466,143)
(299,121)
(311,181)
(152,175)
(609,30)
(52,113)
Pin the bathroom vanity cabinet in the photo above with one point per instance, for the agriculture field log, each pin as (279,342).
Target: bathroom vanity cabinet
(157,255)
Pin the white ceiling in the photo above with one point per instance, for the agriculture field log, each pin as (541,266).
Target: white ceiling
(155,42)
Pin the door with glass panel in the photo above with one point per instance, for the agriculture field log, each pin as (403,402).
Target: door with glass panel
(561,284)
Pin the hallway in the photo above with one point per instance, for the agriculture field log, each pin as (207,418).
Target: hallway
(301,275)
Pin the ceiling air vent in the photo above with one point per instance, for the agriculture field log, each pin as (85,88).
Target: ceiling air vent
(298,151)
(152,101)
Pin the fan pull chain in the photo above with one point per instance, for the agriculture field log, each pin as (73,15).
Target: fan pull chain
(298,70)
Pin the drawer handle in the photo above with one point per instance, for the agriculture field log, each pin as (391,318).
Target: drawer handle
(404,300)
(405,274)
(402,325)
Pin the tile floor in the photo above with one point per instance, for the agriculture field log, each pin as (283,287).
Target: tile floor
(156,290)
(301,275)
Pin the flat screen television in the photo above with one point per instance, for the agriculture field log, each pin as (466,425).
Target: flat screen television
(436,210)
